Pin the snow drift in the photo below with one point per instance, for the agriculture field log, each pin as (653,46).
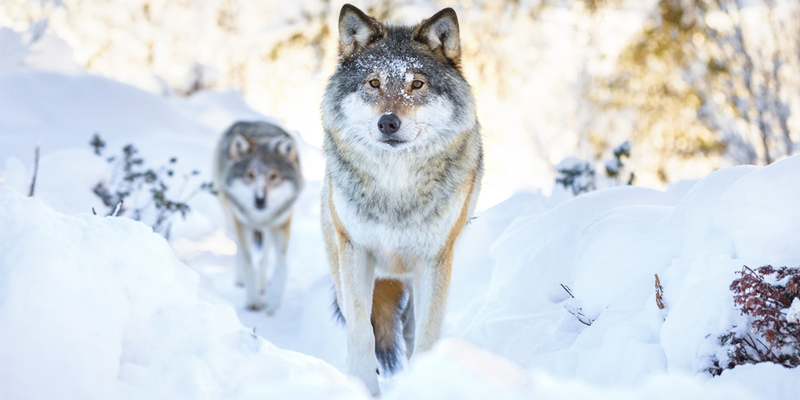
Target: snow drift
(607,247)
(100,308)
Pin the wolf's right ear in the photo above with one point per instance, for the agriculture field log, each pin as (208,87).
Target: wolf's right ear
(356,30)
(239,146)
(287,149)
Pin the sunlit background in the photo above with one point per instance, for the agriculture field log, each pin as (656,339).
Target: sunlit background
(621,293)
(695,85)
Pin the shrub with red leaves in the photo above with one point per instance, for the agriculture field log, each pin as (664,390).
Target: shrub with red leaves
(764,294)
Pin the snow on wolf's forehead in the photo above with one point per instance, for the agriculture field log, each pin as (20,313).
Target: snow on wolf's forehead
(394,66)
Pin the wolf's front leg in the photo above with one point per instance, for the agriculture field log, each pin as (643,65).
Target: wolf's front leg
(431,284)
(275,288)
(260,258)
(249,270)
(242,253)
(358,282)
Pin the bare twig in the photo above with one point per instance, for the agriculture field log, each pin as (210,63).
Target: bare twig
(35,172)
(566,288)
(576,311)
(116,210)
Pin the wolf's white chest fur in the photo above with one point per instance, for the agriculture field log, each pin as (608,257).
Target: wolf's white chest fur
(418,234)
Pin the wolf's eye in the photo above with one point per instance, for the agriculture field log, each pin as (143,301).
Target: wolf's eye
(375,83)
(249,175)
(417,84)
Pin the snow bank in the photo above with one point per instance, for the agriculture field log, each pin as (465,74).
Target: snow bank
(607,246)
(94,307)
(458,370)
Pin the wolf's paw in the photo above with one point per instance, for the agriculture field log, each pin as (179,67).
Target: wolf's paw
(271,309)
(255,305)
(370,379)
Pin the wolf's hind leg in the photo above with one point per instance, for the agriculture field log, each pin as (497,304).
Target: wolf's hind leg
(407,318)
(387,303)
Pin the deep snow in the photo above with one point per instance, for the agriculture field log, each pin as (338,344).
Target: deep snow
(101,307)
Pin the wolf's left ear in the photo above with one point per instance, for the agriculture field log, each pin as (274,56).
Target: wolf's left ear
(440,34)
(240,145)
(356,30)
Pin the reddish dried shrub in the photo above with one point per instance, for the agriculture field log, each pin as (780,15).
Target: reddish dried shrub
(764,294)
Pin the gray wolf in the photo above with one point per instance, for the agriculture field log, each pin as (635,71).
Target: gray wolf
(403,168)
(257,174)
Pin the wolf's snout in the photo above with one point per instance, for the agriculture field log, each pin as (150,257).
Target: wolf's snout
(389,124)
(261,202)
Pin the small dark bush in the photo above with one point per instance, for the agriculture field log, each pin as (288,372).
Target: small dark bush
(615,165)
(579,175)
(765,295)
(131,178)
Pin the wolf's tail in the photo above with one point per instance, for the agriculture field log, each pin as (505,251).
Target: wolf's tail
(388,301)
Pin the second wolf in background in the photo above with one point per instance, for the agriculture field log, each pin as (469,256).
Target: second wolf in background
(257,174)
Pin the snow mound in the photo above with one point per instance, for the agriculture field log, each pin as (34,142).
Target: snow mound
(456,369)
(101,308)
(606,248)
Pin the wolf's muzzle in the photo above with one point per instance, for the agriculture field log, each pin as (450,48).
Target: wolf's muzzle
(261,202)
(389,124)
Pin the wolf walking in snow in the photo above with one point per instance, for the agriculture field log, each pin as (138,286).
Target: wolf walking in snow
(403,170)
(257,173)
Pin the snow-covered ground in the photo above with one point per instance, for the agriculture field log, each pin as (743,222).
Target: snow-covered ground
(101,307)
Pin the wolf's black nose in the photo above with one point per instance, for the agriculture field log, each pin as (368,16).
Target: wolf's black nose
(261,202)
(389,124)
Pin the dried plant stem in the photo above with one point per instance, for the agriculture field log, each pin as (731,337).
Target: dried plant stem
(659,294)
(35,172)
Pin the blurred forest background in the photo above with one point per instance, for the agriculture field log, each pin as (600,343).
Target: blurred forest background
(695,85)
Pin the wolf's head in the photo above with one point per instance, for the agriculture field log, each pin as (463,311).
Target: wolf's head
(263,175)
(398,87)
